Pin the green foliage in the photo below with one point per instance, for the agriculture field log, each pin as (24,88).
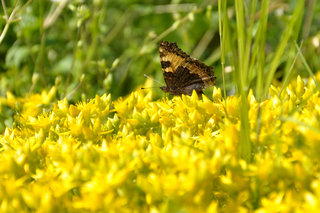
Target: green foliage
(111,43)
(87,48)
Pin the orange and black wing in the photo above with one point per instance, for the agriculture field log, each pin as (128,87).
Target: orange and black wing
(183,73)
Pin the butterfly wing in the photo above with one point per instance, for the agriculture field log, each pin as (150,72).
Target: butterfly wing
(183,73)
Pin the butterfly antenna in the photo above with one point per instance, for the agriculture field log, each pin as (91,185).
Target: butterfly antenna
(149,87)
(153,80)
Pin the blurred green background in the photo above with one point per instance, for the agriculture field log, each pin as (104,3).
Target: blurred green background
(106,46)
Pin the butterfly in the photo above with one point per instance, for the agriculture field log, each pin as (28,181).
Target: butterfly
(182,73)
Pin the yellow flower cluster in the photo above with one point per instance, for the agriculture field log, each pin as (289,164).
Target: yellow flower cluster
(180,155)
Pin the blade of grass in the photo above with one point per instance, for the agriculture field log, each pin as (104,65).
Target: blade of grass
(245,144)
(260,48)
(308,18)
(288,75)
(249,39)
(241,43)
(307,66)
(291,51)
(203,43)
(40,63)
(282,44)
(222,33)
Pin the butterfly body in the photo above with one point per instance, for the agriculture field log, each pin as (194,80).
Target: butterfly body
(182,73)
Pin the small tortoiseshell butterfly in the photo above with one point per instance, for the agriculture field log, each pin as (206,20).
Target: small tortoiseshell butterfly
(182,73)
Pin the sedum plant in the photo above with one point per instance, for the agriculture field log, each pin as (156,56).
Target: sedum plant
(136,154)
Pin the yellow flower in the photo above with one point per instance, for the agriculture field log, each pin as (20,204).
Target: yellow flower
(167,155)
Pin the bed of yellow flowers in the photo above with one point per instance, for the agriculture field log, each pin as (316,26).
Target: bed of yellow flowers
(137,154)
